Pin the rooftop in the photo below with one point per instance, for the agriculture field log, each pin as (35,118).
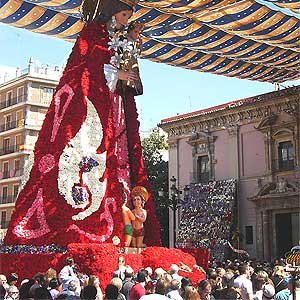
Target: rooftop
(232,104)
(34,69)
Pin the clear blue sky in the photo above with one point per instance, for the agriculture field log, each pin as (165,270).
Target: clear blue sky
(167,90)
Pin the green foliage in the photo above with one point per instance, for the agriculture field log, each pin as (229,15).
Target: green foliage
(157,171)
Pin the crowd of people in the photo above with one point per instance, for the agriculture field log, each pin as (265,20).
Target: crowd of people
(230,280)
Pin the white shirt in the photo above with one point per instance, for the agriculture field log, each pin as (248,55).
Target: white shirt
(243,283)
(154,297)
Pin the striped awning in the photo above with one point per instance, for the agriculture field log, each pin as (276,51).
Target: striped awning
(257,40)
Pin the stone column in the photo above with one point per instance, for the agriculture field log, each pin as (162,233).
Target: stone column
(233,148)
(173,171)
(259,234)
(266,234)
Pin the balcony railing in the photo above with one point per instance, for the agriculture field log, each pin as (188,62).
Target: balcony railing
(7,199)
(13,101)
(11,174)
(4,224)
(11,149)
(283,165)
(12,125)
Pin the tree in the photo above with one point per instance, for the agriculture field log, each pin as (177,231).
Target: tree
(157,170)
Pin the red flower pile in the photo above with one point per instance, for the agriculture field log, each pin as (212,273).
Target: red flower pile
(101,260)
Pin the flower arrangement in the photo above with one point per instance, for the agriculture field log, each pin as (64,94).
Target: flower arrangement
(101,260)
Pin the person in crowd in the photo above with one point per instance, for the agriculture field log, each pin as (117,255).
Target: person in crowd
(12,293)
(268,292)
(158,273)
(39,281)
(118,283)
(204,290)
(128,282)
(138,290)
(174,272)
(191,293)
(185,282)
(89,292)
(54,288)
(3,281)
(120,271)
(150,272)
(71,289)
(12,279)
(67,272)
(278,277)
(50,274)
(2,292)
(111,292)
(284,293)
(25,288)
(42,293)
(243,282)
(150,287)
(174,292)
(259,280)
(139,197)
(94,281)
(161,288)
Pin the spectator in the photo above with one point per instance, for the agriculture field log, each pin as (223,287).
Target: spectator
(89,292)
(12,293)
(138,290)
(285,293)
(243,282)
(12,279)
(118,283)
(174,272)
(94,281)
(53,288)
(268,292)
(3,281)
(67,272)
(191,293)
(120,271)
(42,293)
(24,289)
(128,283)
(71,289)
(2,292)
(39,281)
(159,273)
(278,277)
(174,290)
(111,292)
(204,290)
(161,289)
(185,282)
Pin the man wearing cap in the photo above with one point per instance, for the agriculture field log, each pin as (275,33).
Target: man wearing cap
(139,196)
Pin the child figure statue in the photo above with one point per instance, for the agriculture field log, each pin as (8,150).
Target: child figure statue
(139,196)
(128,217)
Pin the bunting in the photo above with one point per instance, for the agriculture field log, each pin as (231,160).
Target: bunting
(256,40)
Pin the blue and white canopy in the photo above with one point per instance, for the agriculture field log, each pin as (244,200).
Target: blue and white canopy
(251,39)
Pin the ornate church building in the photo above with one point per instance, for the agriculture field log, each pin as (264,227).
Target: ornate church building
(255,141)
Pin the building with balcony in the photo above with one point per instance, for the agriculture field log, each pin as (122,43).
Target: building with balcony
(24,101)
(255,141)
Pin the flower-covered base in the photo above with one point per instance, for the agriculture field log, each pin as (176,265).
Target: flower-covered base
(100,260)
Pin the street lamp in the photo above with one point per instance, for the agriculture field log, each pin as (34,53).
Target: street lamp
(174,202)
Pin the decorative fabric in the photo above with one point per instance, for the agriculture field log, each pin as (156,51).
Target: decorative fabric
(84,158)
(111,76)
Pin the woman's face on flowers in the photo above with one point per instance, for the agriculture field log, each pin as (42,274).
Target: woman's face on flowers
(122,18)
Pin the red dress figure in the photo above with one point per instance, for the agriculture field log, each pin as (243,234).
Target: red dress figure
(85,157)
